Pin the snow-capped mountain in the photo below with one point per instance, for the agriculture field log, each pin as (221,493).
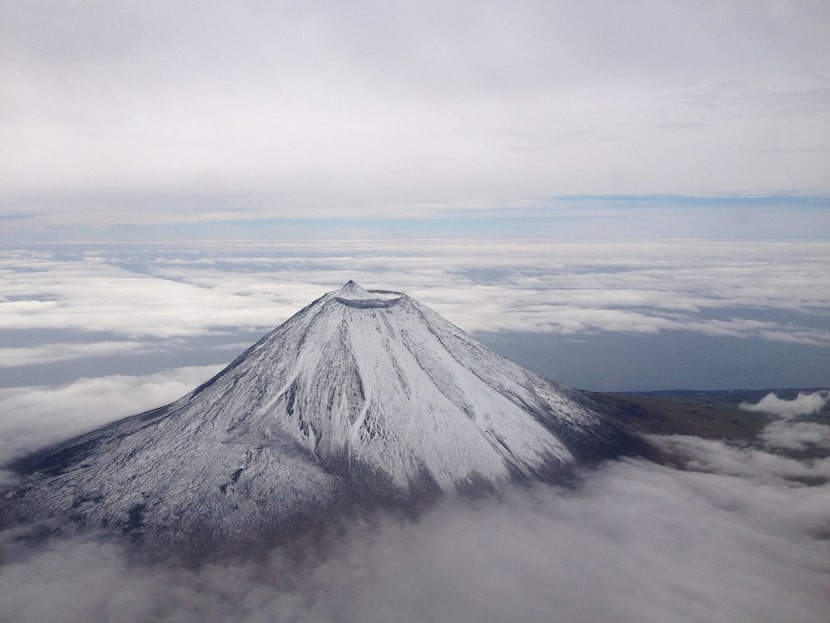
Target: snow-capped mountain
(365,395)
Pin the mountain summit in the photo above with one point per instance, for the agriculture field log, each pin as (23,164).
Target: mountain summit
(363,395)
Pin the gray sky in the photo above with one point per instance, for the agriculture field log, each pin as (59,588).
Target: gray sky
(118,113)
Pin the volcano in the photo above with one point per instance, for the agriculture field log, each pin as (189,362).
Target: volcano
(361,398)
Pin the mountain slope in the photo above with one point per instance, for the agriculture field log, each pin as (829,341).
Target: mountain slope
(360,395)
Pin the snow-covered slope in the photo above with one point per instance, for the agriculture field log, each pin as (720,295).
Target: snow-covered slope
(366,394)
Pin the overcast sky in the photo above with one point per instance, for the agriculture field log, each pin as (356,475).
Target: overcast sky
(119,113)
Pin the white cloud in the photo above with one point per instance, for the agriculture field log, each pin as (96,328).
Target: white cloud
(787,434)
(636,542)
(390,108)
(736,538)
(52,353)
(803,404)
(751,463)
(94,295)
(717,289)
(34,417)
(796,435)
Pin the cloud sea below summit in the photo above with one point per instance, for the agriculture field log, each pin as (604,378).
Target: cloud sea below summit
(694,314)
(737,537)
(634,542)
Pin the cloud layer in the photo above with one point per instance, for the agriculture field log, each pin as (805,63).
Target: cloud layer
(723,289)
(803,404)
(120,308)
(635,543)
(267,109)
(737,536)
(33,417)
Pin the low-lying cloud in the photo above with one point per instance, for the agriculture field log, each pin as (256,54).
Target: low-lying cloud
(709,288)
(738,536)
(741,535)
(59,352)
(635,543)
(33,417)
(796,436)
(772,461)
(803,404)
(714,457)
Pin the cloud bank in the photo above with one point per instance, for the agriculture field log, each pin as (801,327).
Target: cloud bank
(120,308)
(635,543)
(58,352)
(34,417)
(741,534)
(798,436)
(713,457)
(803,404)
(721,289)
